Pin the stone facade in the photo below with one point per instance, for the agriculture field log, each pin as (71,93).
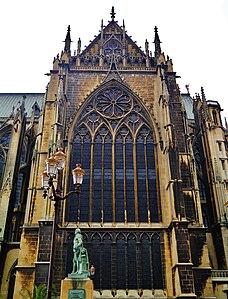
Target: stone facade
(154,197)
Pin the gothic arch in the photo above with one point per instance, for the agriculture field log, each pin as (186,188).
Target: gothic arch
(113,138)
(88,102)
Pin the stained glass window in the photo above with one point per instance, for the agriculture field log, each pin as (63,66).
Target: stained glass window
(114,143)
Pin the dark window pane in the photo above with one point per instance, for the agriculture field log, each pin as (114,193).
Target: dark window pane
(97,179)
(119,180)
(146,263)
(108,180)
(130,182)
(141,176)
(132,269)
(121,262)
(156,262)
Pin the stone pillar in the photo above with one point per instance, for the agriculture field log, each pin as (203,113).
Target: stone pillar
(76,288)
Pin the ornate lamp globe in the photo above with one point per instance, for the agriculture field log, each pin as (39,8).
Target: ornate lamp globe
(52,164)
(61,157)
(45,180)
(78,174)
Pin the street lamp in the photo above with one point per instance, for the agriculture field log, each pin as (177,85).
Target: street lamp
(54,168)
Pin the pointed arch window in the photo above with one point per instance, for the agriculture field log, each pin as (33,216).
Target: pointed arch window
(114,142)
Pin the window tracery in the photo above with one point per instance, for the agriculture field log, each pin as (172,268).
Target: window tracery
(112,46)
(114,143)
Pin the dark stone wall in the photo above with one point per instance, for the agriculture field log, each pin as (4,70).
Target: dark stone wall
(45,233)
(218,243)
(186,279)
(197,241)
(182,237)
(200,278)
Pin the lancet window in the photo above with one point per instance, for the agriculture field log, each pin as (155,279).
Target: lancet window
(114,143)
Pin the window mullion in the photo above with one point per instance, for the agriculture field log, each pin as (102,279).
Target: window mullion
(125,187)
(91,181)
(147,182)
(113,184)
(135,183)
(102,182)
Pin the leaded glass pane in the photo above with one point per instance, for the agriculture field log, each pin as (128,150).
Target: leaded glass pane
(113,141)
(130,195)
(119,173)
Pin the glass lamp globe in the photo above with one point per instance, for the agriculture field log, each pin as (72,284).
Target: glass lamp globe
(61,157)
(45,180)
(78,174)
(52,164)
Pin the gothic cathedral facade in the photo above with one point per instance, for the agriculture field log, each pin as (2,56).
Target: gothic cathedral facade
(153,203)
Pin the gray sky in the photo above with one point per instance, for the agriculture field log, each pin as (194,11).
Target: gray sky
(193,33)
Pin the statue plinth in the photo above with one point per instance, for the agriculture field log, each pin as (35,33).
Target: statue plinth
(76,288)
(82,275)
(78,285)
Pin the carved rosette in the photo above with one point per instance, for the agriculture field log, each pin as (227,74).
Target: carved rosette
(113,102)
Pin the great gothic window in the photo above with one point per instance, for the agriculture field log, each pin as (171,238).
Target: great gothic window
(114,143)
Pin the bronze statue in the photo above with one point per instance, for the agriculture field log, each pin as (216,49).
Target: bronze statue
(80,259)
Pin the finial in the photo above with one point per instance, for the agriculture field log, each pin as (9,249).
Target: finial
(67,40)
(187,88)
(203,94)
(123,24)
(157,42)
(112,13)
(79,46)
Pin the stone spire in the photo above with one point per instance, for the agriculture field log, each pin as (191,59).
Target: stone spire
(157,43)
(204,105)
(67,41)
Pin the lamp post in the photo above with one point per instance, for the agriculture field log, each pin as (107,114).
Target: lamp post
(54,168)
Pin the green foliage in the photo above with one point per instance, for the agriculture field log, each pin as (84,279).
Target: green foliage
(40,292)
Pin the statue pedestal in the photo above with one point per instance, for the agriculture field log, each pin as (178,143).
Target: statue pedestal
(76,288)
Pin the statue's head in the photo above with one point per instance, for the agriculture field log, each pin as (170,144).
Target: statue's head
(77,231)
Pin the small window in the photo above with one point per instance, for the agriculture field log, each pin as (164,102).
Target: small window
(223,164)
(215,118)
(220,146)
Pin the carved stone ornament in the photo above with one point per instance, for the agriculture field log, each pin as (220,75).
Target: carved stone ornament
(113,102)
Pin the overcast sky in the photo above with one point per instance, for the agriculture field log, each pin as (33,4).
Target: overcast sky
(194,33)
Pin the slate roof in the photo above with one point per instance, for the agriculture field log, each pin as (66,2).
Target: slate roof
(188,105)
(10,100)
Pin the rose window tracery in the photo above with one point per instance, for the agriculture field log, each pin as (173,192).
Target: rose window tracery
(113,103)
(112,47)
